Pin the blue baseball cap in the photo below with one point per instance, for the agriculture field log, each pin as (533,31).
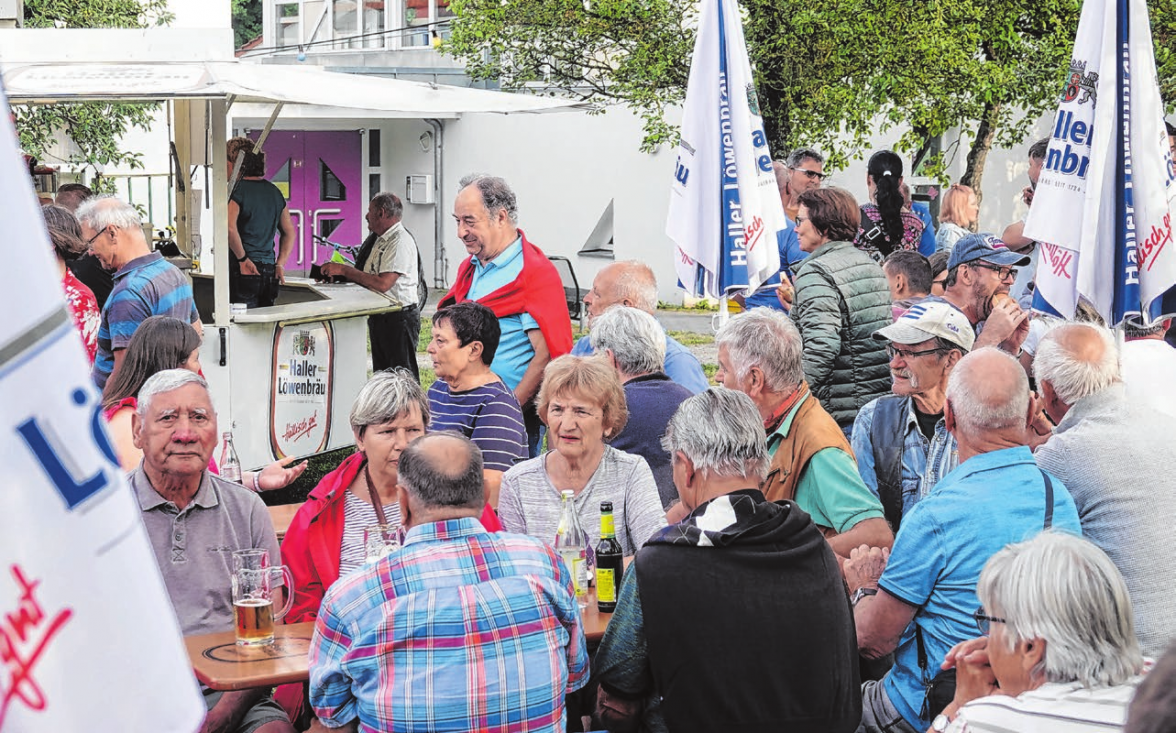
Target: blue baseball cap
(987,247)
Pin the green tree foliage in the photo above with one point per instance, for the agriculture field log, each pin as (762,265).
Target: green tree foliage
(95,127)
(631,51)
(830,74)
(246,21)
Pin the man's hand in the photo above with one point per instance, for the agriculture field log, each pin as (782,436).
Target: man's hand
(617,714)
(1040,428)
(335,269)
(974,675)
(864,566)
(1006,326)
(279,474)
(1027,195)
(280,273)
(248,268)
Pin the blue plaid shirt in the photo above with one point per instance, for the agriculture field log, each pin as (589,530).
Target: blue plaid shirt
(924,462)
(459,630)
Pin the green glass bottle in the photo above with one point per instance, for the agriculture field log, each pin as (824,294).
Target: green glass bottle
(610,562)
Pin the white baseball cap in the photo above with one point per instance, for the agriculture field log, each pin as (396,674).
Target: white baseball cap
(929,319)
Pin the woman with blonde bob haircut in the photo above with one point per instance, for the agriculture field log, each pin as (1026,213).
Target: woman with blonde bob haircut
(1059,651)
(582,403)
(958,213)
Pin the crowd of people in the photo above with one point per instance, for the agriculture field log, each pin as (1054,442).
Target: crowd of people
(907,505)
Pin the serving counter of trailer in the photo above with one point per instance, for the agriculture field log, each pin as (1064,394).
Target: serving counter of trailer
(290,371)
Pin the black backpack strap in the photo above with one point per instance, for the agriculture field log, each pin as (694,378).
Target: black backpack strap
(887,439)
(1049,500)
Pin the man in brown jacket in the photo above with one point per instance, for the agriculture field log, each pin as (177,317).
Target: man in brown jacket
(812,463)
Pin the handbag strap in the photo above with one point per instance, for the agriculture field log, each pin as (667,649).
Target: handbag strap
(1049,500)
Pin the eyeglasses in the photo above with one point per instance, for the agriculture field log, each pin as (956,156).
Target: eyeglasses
(802,219)
(92,239)
(815,175)
(1004,273)
(984,621)
(907,355)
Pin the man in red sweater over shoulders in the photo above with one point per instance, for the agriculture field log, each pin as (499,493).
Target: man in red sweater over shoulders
(513,278)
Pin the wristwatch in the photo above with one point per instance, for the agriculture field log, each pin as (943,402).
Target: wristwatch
(940,723)
(242,258)
(861,593)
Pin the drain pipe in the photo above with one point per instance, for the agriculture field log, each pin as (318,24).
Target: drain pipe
(440,261)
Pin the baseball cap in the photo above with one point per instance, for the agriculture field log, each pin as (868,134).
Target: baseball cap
(927,320)
(987,247)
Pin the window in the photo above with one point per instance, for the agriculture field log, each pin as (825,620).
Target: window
(374,148)
(330,187)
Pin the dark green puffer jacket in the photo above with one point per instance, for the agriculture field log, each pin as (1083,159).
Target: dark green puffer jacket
(841,299)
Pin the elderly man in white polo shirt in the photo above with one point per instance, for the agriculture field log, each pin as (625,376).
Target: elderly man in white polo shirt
(900,440)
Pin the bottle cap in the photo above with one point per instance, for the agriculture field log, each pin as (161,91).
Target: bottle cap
(606,506)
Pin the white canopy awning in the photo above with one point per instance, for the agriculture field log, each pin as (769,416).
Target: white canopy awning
(147,82)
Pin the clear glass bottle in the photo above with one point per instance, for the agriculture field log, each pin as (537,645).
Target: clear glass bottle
(571,542)
(230,465)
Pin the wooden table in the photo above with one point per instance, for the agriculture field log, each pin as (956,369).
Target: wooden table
(595,622)
(282,516)
(222,665)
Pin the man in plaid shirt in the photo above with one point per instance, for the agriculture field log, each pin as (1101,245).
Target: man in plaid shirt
(457,630)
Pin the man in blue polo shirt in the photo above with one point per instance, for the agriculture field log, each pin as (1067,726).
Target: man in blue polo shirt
(145,284)
(514,279)
(923,592)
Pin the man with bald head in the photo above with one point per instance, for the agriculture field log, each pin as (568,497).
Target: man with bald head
(632,283)
(1115,455)
(459,629)
(922,595)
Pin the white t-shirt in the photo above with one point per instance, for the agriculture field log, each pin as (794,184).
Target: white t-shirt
(1052,708)
(1149,373)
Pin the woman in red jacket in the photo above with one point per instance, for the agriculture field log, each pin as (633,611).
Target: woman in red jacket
(325,539)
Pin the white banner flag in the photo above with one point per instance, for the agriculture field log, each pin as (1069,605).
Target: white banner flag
(88,637)
(725,207)
(1103,205)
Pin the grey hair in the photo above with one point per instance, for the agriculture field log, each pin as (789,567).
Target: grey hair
(636,281)
(440,483)
(1071,376)
(635,338)
(798,156)
(721,432)
(387,395)
(1065,590)
(982,402)
(766,338)
(497,195)
(389,203)
(108,210)
(165,381)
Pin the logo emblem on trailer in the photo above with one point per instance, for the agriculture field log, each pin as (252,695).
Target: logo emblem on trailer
(303,343)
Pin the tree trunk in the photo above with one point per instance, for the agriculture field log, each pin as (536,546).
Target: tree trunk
(978,155)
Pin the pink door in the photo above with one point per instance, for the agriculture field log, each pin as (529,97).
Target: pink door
(319,171)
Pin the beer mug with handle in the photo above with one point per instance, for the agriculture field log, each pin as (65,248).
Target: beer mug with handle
(253,603)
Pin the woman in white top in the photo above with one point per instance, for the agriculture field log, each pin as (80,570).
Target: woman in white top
(583,404)
(1059,652)
(958,213)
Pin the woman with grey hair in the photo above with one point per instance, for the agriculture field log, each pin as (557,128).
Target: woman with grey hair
(1058,651)
(325,540)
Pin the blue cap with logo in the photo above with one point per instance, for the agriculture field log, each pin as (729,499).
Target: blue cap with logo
(987,247)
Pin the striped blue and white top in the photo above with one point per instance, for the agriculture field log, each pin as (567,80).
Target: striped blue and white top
(488,415)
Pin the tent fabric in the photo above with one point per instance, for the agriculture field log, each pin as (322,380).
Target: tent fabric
(264,83)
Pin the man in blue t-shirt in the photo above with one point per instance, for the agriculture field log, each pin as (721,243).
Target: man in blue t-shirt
(926,587)
(257,212)
(632,283)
